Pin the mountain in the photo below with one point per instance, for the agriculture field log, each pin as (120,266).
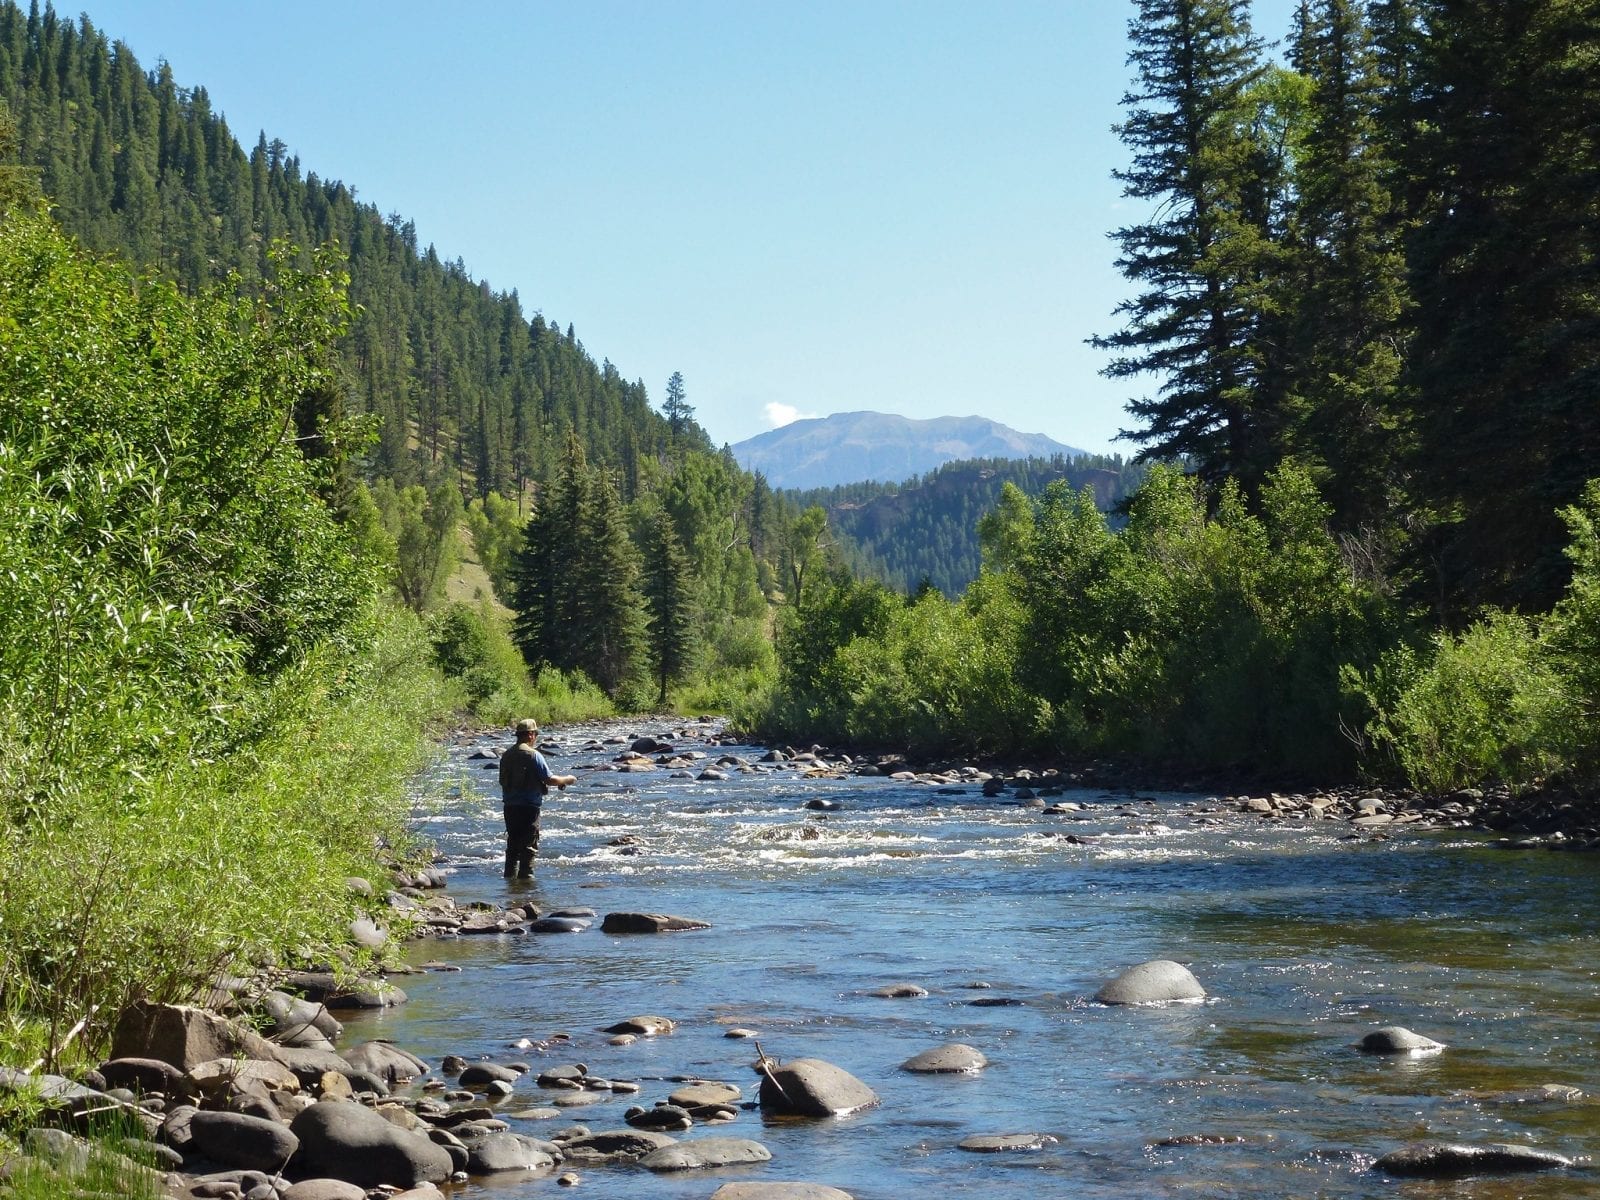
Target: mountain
(857,446)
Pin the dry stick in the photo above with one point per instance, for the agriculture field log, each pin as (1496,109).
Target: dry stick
(65,1041)
(762,1065)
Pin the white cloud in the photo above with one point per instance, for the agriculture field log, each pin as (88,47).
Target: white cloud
(779,415)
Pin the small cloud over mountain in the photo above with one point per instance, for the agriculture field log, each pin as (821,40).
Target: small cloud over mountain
(779,415)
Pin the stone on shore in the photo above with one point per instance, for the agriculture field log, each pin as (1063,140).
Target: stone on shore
(234,1140)
(779,1191)
(1159,981)
(323,1189)
(341,1140)
(633,922)
(1396,1039)
(385,1060)
(951,1059)
(142,1075)
(810,1087)
(184,1036)
(702,1153)
(1456,1160)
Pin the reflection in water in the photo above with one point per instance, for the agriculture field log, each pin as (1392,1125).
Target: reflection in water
(1305,942)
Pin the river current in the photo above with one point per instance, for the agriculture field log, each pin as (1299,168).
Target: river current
(1304,938)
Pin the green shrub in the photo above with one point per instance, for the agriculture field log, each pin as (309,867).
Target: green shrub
(1478,707)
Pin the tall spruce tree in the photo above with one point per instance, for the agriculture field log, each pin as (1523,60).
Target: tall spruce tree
(610,609)
(669,595)
(1197,258)
(1503,265)
(1348,292)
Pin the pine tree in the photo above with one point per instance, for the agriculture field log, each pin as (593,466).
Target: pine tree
(1506,356)
(669,594)
(610,609)
(676,407)
(1349,289)
(1198,257)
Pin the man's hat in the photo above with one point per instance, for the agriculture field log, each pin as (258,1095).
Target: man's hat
(527,725)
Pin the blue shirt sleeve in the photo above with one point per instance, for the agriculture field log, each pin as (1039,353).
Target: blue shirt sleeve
(542,769)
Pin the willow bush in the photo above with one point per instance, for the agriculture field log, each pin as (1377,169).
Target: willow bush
(204,715)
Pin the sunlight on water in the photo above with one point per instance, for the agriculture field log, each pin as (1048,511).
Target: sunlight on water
(1304,941)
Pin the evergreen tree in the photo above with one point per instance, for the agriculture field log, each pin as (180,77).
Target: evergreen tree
(1506,357)
(676,408)
(669,594)
(1348,289)
(1198,162)
(609,606)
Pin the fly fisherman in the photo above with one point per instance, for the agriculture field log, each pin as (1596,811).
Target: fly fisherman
(524,779)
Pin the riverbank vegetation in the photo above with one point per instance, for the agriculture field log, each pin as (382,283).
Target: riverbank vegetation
(206,713)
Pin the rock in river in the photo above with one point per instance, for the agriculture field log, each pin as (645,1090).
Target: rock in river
(810,1087)
(1396,1039)
(705,1152)
(627,922)
(645,1026)
(1159,981)
(779,1191)
(951,1059)
(1002,1143)
(1455,1160)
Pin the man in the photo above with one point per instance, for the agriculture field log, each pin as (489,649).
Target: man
(524,779)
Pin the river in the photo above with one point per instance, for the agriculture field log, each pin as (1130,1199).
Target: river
(1304,938)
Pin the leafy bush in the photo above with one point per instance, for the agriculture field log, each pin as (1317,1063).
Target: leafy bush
(1477,707)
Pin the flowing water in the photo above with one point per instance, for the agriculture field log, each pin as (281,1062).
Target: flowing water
(1303,940)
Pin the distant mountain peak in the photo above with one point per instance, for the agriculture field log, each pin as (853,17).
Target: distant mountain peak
(853,447)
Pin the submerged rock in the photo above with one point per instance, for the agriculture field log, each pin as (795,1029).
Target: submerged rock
(1396,1039)
(1159,981)
(779,1191)
(1001,1143)
(951,1059)
(1457,1160)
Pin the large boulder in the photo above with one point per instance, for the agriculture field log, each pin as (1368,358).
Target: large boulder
(1159,981)
(1455,1160)
(385,1060)
(142,1075)
(779,1191)
(341,1140)
(706,1152)
(184,1036)
(323,1189)
(235,1140)
(500,1152)
(810,1087)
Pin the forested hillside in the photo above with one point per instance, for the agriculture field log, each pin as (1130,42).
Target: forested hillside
(467,410)
(926,530)
(136,163)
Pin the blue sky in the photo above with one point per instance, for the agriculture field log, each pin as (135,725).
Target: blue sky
(804,207)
